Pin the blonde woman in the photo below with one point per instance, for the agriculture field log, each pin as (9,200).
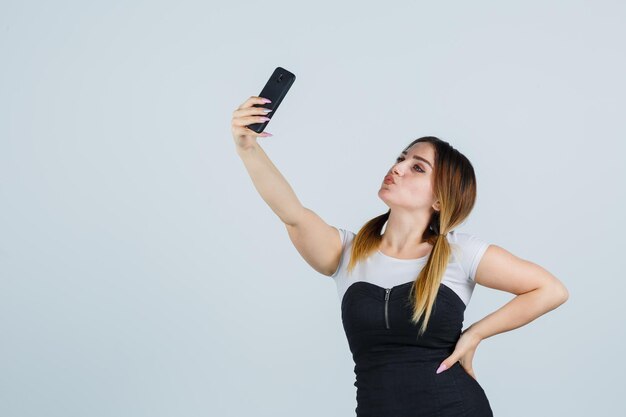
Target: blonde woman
(403,290)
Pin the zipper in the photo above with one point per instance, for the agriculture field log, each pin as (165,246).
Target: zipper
(388,290)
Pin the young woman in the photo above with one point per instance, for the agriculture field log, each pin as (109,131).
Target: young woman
(404,290)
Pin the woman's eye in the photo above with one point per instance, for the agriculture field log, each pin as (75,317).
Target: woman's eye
(402,159)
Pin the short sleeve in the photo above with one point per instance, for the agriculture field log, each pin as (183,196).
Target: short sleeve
(342,235)
(472,250)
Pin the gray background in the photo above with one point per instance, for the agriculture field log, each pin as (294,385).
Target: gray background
(141,274)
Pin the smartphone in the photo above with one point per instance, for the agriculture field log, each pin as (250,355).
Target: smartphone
(275,89)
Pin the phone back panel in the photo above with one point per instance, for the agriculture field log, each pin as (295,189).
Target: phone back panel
(275,89)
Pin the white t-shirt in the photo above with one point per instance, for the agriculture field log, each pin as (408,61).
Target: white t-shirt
(386,271)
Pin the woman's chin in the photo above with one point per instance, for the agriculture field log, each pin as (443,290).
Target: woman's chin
(381,195)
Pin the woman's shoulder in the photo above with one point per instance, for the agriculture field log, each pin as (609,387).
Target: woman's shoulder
(462,237)
(345,234)
(468,248)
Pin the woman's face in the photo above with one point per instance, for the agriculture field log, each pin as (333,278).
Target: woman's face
(413,176)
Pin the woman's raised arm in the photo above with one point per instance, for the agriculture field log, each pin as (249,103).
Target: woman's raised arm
(269,182)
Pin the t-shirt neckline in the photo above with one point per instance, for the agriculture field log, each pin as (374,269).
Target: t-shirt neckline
(423,258)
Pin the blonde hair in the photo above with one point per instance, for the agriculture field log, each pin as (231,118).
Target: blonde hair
(455,188)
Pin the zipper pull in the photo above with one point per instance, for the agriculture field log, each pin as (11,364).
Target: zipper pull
(388,290)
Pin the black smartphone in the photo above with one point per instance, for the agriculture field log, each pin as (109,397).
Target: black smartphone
(275,89)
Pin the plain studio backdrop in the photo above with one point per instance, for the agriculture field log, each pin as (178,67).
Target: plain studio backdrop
(141,274)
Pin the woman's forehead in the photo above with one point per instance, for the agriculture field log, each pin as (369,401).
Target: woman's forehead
(424,149)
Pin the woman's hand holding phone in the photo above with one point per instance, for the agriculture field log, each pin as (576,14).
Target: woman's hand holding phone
(251,111)
(250,119)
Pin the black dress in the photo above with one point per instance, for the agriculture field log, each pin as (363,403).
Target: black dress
(395,370)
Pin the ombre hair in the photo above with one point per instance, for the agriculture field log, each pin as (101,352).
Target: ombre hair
(455,189)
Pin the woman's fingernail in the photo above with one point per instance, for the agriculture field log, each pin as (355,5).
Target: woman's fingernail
(442,368)
(265,100)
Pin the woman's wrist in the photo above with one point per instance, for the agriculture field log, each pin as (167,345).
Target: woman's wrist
(473,334)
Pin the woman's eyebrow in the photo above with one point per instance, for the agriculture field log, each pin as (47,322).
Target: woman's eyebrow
(420,158)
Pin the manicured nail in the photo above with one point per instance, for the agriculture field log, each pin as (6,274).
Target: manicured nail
(266,134)
(265,100)
(441,368)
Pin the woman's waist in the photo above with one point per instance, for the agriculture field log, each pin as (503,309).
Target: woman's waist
(390,357)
